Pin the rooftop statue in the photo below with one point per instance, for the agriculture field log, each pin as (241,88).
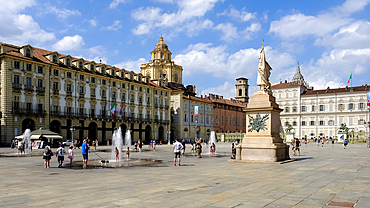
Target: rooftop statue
(264,73)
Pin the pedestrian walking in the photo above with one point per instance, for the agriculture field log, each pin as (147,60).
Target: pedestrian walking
(85,153)
(128,153)
(297,147)
(233,151)
(70,155)
(140,143)
(154,145)
(322,142)
(177,147)
(183,148)
(47,155)
(332,142)
(198,148)
(135,146)
(60,155)
(20,147)
(345,143)
(318,142)
(117,154)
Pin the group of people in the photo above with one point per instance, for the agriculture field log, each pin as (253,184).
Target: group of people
(117,154)
(139,144)
(59,154)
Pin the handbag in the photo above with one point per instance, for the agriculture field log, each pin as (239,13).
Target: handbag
(51,153)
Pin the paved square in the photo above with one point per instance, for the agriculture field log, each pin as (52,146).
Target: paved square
(320,175)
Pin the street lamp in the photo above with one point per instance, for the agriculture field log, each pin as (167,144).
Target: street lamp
(72,130)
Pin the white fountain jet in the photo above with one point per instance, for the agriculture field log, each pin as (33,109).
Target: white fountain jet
(116,142)
(27,141)
(128,138)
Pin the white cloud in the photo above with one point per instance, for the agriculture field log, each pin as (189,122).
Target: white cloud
(92,22)
(353,36)
(239,15)
(97,50)
(61,13)
(20,29)
(300,25)
(132,65)
(228,30)
(204,58)
(153,18)
(100,59)
(116,25)
(227,90)
(115,3)
(251,30)
(69,43)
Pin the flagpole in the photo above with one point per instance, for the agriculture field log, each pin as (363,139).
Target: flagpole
(351,79)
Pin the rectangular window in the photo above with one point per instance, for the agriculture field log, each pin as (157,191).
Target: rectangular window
(29,67)
(313,108)
(132,98)
(350,106)
(39,69)
(82,78)
(29,107)
(103,81)
(69,75)
(321,123)
(103,93)
(114,95)
(340,107)
(140,89)
(92,91)
(147,90)
(294,109)
(56,72)
(114,84)
(16,64)
(55,85)
(361,105)
(303,123)
(132,87)
(331,122)
(28,81)
(124,86)
(312,123)
(123,96)
(81,89)
(69,87)
(92,79)
(39,108)
(39,82)
(286,109)
(16,79)
(303,108)
(321,107)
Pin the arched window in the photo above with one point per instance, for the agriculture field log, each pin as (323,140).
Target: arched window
(80,65)
(55,60)
(28,52)
(240,92)
(186,129)
(68,62)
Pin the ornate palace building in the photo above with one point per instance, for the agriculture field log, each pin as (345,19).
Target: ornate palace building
(41,88)
(314,113)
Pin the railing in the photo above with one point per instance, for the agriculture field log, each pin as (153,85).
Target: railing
(82,95)
(55,113)
(40,89)
(140,103)
(17,87)
(104,98)
(132,101)
(28,88)
(55,92)
(156,105)
(148,120)
(69,94)
(17,110)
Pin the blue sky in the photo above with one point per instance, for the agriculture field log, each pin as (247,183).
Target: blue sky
(216,41)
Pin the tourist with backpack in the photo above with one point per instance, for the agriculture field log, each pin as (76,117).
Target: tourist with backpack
(60,154)
(345,143)
(47,155)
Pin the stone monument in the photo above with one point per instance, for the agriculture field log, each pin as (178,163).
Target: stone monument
(289,135)
(262,142)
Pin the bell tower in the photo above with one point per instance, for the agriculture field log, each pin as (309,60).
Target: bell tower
(242,89)
(161,66)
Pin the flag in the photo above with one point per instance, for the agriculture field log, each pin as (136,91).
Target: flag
(113,109)
(368,98)
(196,111)
(120,111)
(350,77)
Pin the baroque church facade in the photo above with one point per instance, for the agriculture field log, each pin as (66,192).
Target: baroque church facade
(314,113)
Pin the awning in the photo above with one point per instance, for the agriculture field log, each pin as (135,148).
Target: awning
(42,132)
(46,136)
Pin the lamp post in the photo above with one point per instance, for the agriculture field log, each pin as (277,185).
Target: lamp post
(169,137)
(72,130)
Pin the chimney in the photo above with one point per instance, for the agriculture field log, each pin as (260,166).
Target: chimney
(286,81)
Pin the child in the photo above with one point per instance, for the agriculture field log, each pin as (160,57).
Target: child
(60,154)
(154,144)
(70,155)
(117,154)
(128,153)
(135,146)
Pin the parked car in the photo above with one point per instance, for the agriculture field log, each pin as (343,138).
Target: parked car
(68,142)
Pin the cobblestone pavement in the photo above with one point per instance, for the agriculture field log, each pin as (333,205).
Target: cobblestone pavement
(320,176)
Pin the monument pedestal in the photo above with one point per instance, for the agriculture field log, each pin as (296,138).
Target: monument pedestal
(262,142)
(289,137)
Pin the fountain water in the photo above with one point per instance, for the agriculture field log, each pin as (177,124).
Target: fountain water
(116,142)
(212,139)
(27,141)
(128,139)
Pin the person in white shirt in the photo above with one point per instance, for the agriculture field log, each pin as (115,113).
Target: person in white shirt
(177,147)
(70,155)
(60,154)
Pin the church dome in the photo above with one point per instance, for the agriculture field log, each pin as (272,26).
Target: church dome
(298,74)
(161,45)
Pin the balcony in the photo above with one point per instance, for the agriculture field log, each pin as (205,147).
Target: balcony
(104,98)
(156,105)
(17,87)
(147,120)
(69,114)
(82,115)
(40,90)
(81,95)
(69,94)
(132,101)
(55,92)
(56,113)
(29,111)
(28,88)
(140,103)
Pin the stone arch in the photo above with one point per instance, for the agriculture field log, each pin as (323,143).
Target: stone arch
(161,133)
(28,123)
(148,134)
(56,126)
(93,131)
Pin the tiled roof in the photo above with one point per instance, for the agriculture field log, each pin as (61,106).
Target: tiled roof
(282,85)
(338,90)
(206,100)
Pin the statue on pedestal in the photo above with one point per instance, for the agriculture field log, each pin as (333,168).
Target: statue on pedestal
(264,73)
